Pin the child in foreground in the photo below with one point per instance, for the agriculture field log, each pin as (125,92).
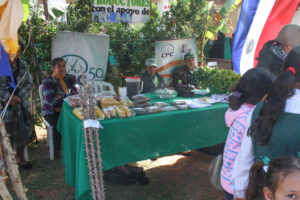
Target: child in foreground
(280,182)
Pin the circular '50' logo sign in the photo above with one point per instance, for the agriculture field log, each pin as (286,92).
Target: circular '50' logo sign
(75,64)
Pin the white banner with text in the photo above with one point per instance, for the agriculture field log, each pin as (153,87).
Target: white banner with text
(82,52)
(117,11)
(169,54)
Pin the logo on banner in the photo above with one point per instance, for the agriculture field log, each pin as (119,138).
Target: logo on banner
(76,65)
(167,51)
(250,46)
(185,48)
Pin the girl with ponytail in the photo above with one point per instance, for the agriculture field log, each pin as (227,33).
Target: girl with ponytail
(280,180)
(274,125)
(250,90)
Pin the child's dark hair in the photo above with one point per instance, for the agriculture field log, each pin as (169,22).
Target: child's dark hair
(251,88)
(278,167)
(274,105)
(56,60)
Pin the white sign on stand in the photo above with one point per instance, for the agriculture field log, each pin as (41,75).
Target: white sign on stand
(169,54)
(82,52)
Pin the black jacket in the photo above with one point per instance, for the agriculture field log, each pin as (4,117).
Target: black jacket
(183,74)
(149,86)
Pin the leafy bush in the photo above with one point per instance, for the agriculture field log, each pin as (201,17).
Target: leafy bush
(223,81)
(217,80)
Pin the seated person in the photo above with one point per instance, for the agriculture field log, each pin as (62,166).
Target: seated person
(150,78)
(55,88)
(185,73)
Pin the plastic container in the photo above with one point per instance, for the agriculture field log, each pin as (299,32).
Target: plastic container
(134,86)
(169,108)
(140,98)
(165,93)
(161,104)
(139,111)
(74,100)
(153,109)
(144,105)
(179,102)
(182,107)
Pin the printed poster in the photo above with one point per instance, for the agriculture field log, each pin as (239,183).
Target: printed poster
(169,54)
(82,52)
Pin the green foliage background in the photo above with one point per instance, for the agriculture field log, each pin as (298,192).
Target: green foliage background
(129,44)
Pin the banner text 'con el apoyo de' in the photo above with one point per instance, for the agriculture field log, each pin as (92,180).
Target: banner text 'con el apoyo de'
(116,11)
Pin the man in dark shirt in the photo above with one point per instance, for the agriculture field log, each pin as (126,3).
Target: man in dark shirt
(185,73)
(150,78)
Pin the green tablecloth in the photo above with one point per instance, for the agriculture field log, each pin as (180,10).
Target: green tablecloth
(138,138)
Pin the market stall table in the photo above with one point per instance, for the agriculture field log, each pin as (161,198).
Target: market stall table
(138,138)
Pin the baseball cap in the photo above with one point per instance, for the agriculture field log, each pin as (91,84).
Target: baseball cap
(189,55)
(150,62)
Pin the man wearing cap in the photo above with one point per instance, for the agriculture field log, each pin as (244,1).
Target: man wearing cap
(185,73)
(274,52)
(150,78)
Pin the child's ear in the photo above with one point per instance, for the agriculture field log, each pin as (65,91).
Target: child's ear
(268,194)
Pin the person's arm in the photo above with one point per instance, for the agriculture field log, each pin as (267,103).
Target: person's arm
(51,98)
(4,93)
(73,88)
(143,79)
(242,165)
(24,91)
(176,76)
(162,83)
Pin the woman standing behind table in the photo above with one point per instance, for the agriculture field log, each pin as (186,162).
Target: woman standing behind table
(55,88)
(275,127)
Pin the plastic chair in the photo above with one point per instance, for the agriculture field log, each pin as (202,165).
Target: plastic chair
(49,129)
(102,87)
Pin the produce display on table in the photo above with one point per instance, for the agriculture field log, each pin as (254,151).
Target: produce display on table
(206,100)
(218,81)
(163,101)
(165,93)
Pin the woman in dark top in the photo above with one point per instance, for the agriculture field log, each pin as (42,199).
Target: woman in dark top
(55,88)
(274,52)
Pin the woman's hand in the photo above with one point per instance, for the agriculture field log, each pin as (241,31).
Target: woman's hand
(15,100)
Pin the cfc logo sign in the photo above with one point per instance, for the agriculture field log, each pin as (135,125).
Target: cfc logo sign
(167,51)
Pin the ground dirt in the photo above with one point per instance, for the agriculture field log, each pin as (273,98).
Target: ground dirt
(175,177)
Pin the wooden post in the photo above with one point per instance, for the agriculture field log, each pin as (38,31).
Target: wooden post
(92,141)
(11,164)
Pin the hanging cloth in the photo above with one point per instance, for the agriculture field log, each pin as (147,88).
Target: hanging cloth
(11,16)
(5,69)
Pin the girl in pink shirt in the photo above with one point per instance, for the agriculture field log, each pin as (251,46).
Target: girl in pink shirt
(251,89)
